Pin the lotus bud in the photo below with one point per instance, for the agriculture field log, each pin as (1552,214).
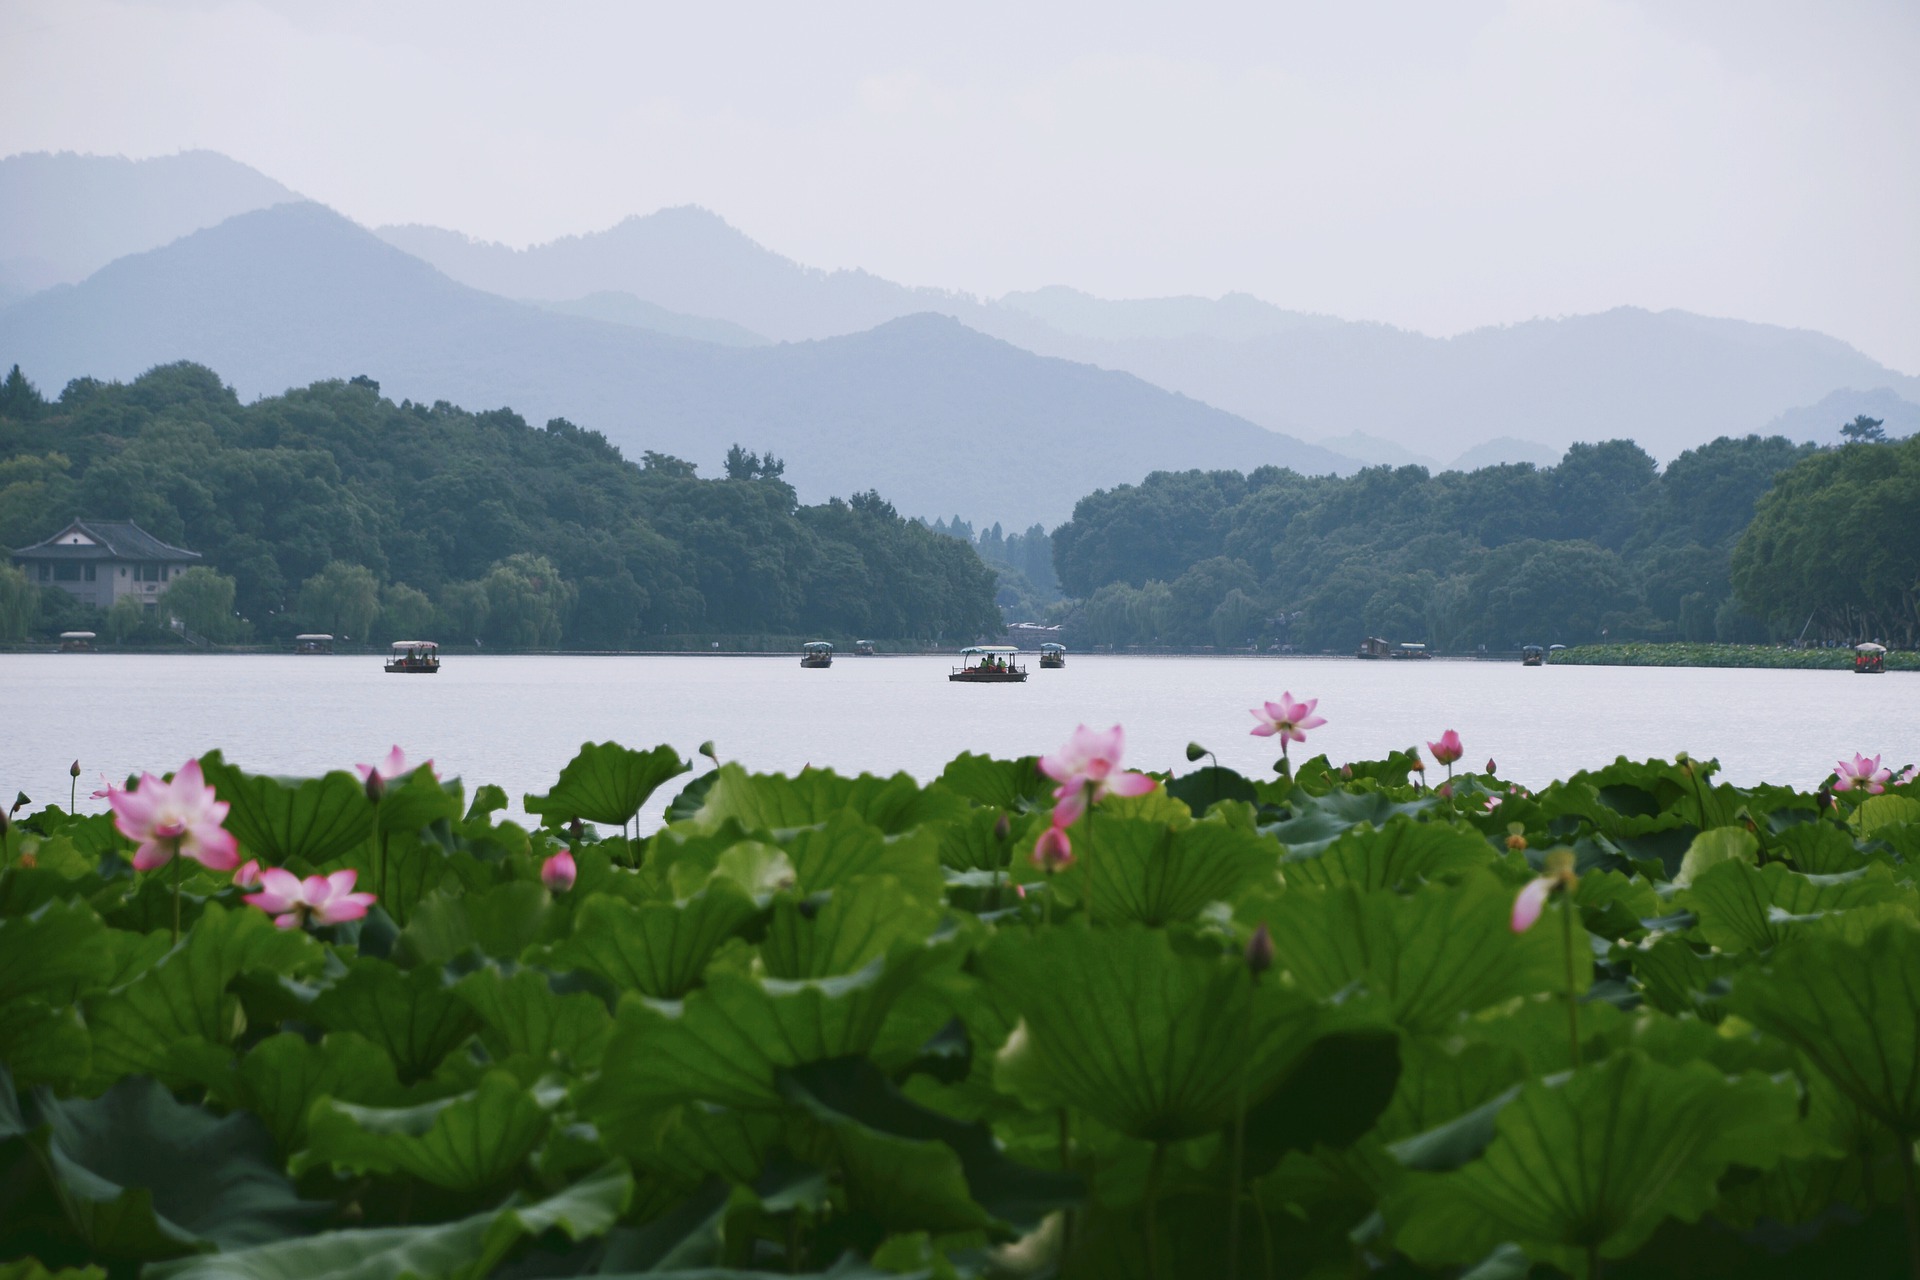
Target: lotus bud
(73,770)
(1346,771)
(1490,767)
(558,872)
(1002,828)
(1195,751)
(1260,951)
(1053,852)
(376,786)
(247,874)
(576,831)
(1444,791)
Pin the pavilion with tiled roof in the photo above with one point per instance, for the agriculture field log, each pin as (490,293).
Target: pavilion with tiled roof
(99,561)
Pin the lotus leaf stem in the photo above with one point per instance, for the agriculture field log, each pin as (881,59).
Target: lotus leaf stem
(1573,995)
(1910,1203)
(176,897)
(1151,1207)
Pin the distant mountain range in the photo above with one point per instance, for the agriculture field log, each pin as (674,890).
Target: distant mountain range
(1521,392)
(63,217)
(937,417)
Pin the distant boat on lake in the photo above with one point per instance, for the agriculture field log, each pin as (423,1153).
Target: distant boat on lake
(1411,649)
(863,648)
(1533,656)
(313,642)
(1869,659)
(1052,656)
(816,653)
(1374,647)
(989,664)
(414,658)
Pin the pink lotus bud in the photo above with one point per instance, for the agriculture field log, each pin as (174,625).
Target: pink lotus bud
(1531,902)
(1490,766)
(1002,828)
(73,770)
(1448,748)
(247,875)
(558,872)
(1053,852)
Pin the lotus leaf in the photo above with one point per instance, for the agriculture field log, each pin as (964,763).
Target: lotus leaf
(310,820)
(658,949)
(1400,853)
(470,1143)
(606,782)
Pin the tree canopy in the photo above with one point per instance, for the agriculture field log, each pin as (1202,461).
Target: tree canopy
(334,508)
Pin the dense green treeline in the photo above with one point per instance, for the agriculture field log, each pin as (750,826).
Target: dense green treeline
(333,508)
(1603,544)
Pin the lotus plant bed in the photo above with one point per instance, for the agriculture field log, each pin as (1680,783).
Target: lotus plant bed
(1039,1017)
(1677,654)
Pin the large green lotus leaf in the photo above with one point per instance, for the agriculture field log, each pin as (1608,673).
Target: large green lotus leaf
(1157,1044)
(1441,1082)
(1330,1097)
(692,1142)
(136,1175)
(1817,848)
(658,949)
(1596,1162)
(282,1075)
(1877,812)
(465,1250)
(183,998)
(1434,955)
(419,800)
(606,783)
(1000,784)
(860,921)
(1614,905)
(1746,908)
(501,921)
(1852,1008)
(1404,852)
(1211,785)
(31,1269)
(57,953)
(1679,979)
(847,847)
(523,1016)
(970,844)
(724,1043)
(410,1014)
(1317,821)
(313,820)
(774,802)
(471,1142)
(1150,873)
(412,866)
(915,1169)
(43,1043)
(1711,848)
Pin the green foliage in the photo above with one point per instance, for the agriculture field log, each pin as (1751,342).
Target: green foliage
(19,604)
(203,600)
(818,1025)
(1601,544)
(322,502)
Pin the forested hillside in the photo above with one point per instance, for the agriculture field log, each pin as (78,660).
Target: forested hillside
(337,509)
(1602,544)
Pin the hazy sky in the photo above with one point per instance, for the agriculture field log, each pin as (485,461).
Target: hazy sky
(1435,165)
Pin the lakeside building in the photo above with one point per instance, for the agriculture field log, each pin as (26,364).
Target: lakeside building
(99,561)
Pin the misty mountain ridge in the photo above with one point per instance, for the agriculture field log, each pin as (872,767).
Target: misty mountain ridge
(933,415)
(1670,380)
(64,216)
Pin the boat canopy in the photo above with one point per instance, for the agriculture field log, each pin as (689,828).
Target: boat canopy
(989,648)
(1414,645)
(314,635)
(1053,647)
(413,646)
(76,635)
(818,646)
(1870,647)
(1531,648)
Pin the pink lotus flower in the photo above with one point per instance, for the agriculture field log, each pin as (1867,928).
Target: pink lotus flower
(1447,750)
(248,876)
(558,872)
(394,766)
(181,816)
(1053,852)
(1087,769)
(1862,771)
(1908,778)
(1531,902)
(1288,718)
(292,902)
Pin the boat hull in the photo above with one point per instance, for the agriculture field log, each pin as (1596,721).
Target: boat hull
(988,677)
(816,662)
(415,669)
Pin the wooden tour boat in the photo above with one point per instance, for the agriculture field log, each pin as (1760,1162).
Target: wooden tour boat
(1869,659)
(863,648)
(1052,656)
(1533,656)
(816,653)
(989,664)
(313,642)
(1411,649)
(76,641)
(414,658)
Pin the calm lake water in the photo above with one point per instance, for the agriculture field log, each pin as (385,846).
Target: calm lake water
(516,720)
